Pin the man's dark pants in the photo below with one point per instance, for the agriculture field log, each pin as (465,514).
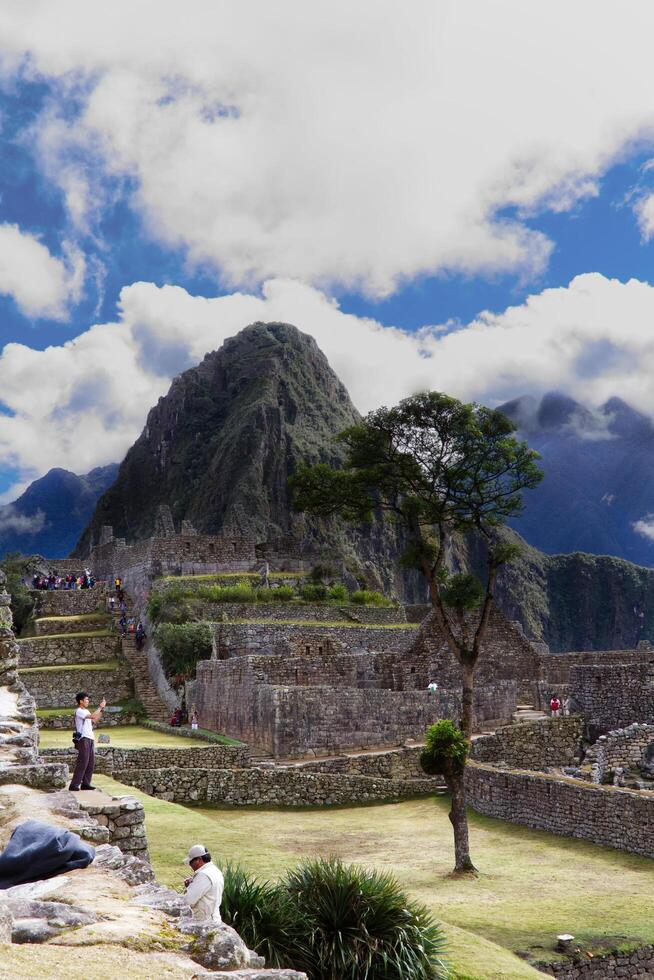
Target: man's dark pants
(84,766)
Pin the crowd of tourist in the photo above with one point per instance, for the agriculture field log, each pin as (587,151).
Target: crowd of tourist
(86,580)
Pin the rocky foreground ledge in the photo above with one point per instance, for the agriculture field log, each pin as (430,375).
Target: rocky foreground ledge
(127,924)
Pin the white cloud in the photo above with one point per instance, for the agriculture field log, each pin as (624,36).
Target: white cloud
(11,521)
(645,527)
(40,284)
(644,211)
(363,145)
(83,404)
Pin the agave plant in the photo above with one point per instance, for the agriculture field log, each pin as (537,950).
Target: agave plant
(358,924)
(264,916)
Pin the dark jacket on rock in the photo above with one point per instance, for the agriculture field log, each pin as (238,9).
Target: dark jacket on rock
(36,851)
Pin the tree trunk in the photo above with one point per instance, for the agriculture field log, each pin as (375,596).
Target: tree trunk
(467,700)
(459,821)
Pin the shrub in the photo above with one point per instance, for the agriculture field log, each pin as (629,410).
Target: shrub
(228,593)
(367,597)
(320,572)
(338,593)
(313,592)
(264,916)
(446,750)
(16,567)
(169,606)
(278,593)
(181,646)
(358,924)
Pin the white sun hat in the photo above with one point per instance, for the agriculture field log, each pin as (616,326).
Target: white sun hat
(197,851)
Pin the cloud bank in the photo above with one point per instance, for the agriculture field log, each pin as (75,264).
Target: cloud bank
(40,284)
(83,403)
(363,145)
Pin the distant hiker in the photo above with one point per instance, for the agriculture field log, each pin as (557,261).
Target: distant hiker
(112,603)
(118,583)
(204,890)
(84,742)
(131,625)
(432,687)
(122,625)
(555,706)
(139,637)
(176,719)
(195,721)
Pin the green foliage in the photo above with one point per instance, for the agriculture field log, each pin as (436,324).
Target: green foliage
(278,593)
(313,592)
(320,572)
(336,922)
(16,567)
(358,924)
(264,916)
(368,597)
(169,606)
(181,646)
(228,593)
(431,461)
(463,592)
(446,750)
(338,593)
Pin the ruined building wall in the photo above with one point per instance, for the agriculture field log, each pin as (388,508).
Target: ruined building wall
(614,696)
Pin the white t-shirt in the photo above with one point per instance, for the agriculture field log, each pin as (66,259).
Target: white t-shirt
(83,723)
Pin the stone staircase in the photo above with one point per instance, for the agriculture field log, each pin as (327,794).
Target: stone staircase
(527,712)
(155,707)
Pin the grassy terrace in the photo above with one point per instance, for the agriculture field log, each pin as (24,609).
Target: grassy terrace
(532,885)
(68,636)
(105,665)
(83,617)
(229,576)
(124,737)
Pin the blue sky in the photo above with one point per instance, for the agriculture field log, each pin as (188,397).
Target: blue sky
(428,218)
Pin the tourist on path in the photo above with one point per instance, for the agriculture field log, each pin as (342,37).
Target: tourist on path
(555,706)
(85,745)
(204,891)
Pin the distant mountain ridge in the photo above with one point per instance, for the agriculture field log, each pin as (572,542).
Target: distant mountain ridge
(48,518)
(598,492)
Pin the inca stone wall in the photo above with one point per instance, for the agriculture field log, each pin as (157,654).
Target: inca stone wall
(614,696)
(112,716)
(305,611)
(109,758)
(555,667)
(121,822)
(177,554)
(70,602)
(271,787)
(637,963)
(297,707)
(507,654)
(67,649)
(57,688)
(401,763)
(533,745)
(51,625)
(625,748)
(571,808)
(284,639)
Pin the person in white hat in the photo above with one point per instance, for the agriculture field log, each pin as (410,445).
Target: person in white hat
(204,891)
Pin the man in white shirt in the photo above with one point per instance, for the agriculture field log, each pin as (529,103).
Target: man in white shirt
(84,720)
(204,891)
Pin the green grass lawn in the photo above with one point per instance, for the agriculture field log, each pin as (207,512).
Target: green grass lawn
(105,665)
(69,636)
(82,617)
(124,737)
(532,886)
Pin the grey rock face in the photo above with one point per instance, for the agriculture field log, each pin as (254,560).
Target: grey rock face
(216,947)
(32,931)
